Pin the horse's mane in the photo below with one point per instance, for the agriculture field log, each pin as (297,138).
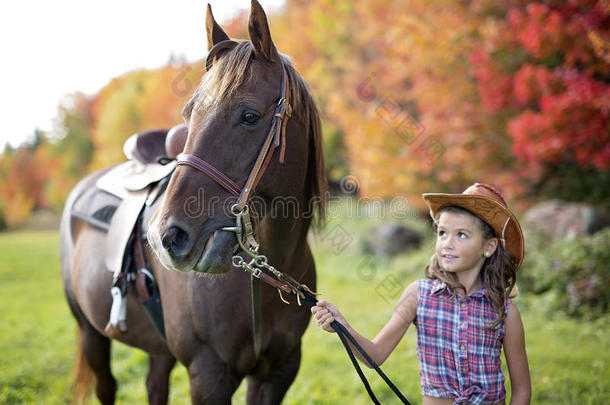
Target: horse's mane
(222,81)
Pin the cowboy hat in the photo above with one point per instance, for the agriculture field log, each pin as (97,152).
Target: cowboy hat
(486,203)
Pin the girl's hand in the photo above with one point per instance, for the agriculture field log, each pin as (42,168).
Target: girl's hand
(325,313)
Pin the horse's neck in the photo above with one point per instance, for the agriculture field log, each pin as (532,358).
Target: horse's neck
(282,240)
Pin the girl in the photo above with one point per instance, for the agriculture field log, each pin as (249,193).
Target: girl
(462,311)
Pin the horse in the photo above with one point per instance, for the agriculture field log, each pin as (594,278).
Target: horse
(207,305)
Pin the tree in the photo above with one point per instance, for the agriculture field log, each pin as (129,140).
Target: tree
(23,174)
(543,73)
(394,78)
(73,151)
(139,100)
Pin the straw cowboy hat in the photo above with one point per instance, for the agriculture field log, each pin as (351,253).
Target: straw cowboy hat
(486,203)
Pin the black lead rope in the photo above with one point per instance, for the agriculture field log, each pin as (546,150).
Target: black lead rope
(344,335)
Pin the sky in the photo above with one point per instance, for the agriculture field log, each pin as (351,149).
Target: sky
(53,48)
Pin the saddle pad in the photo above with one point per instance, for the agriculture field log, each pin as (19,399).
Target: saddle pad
(96,207)
(133,176)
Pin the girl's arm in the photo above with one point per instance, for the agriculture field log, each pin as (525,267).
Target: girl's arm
(386,340)
(516,358)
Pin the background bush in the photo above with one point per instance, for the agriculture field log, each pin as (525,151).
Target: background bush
(575,272)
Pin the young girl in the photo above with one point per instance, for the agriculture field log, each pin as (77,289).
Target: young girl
(462,311)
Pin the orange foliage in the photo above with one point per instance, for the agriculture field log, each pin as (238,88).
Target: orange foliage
(395,78)
(23,175)
(17,209)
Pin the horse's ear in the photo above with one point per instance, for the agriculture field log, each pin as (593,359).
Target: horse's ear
(259,33)
(215,33)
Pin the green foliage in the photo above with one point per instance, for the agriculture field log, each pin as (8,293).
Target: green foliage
(570,182)
(74,149)
(573,272)
(584,273)
(76,122)
(335,154)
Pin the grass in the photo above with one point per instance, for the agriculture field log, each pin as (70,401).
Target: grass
(569,358)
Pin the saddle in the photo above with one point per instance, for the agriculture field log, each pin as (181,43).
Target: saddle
(118,203)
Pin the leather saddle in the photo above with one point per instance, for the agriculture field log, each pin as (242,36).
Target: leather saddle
(119,202)
(138,183)
(149,146)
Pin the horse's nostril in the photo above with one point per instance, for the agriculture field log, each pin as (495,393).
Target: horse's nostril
(175,241)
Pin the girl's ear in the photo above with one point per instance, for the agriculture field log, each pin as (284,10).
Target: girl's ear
(490,246)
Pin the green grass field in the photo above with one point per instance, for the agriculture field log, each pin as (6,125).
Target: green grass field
(569,359)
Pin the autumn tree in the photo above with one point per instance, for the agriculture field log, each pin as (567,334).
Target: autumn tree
(24,172)
(72,149)
(139,100)
(395,80)
(543,73)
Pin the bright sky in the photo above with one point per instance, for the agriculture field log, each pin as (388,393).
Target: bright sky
(53,48)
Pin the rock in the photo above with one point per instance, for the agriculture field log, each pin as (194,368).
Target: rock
(559,219)
(390,240)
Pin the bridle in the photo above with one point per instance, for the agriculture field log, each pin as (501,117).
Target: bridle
(275,137)
(243,229)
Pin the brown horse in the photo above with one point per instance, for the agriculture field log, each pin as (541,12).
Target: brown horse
(208,320)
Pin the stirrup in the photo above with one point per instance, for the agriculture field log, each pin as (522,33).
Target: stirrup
(117,326)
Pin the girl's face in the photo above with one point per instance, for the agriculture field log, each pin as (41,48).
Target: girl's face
(460,243)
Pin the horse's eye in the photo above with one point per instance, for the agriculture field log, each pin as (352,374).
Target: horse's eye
(250,118)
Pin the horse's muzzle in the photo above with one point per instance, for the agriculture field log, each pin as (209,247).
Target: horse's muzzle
(179,249)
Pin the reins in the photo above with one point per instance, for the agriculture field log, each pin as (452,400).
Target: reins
(258,266)
(344,335)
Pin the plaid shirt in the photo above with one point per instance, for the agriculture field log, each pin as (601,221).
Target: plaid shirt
(458,357)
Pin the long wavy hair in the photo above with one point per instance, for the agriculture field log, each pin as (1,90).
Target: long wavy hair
(497,274)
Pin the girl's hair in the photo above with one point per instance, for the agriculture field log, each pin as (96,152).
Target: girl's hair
(498,272)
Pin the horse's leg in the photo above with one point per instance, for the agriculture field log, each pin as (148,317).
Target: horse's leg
(157,381)
(272,388)
(96,349)
(211,380)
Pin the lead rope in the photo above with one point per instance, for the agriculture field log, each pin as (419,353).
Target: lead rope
(344,335)
(256,267)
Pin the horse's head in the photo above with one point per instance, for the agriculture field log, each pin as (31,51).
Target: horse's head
(229,119)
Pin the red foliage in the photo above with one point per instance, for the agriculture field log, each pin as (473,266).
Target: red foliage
(558,96)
